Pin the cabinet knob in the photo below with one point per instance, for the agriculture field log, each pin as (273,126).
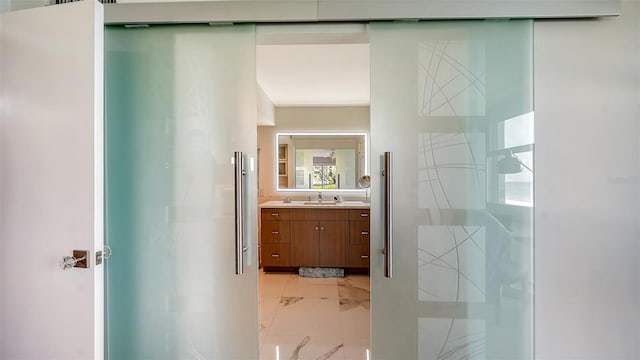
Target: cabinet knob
(316,227)
(321,227)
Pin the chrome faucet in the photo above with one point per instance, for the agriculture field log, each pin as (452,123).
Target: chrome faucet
(319,196)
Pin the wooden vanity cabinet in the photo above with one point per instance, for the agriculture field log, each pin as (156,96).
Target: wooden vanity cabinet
(306,243)
(275,255)
(319,237)
(274,237)
(334,243)
(294,237)
(359,238)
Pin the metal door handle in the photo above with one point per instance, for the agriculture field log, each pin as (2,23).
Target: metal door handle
(275,255)
(79,259)
(364,215)
(364,233)
(275,214)
(239,210)
(364,256)
(388,214)
(275,232)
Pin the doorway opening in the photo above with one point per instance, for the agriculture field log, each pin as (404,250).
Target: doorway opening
(313,126)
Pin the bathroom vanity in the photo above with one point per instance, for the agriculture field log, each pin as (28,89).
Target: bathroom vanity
(314,234)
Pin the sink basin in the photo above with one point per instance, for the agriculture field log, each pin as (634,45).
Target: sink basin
(320,203)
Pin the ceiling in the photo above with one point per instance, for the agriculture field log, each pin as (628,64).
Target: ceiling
(315,68)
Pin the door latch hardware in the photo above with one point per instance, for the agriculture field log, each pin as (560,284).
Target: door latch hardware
(102,255)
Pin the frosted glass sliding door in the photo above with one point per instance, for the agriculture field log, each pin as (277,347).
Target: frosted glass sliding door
(180,101)
(452,103)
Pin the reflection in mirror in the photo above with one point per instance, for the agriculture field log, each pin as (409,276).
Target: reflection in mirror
(321,161)
(365,183)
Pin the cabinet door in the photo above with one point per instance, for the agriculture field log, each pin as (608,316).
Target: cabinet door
(334,243)
(304,243)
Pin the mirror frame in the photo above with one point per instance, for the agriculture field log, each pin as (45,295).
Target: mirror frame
(346,133)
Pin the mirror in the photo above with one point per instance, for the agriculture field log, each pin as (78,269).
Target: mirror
(321,161)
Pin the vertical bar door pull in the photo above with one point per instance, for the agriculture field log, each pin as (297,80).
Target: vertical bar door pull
(388,214)
(239,211)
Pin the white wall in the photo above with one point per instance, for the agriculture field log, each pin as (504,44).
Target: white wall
(266,110)
(10,5)
(266,178)
(587,255)
(323,118)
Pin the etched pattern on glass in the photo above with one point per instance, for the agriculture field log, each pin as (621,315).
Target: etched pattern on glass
(451,171)
(451,263)
(458,339)
(452,253)
(451,80)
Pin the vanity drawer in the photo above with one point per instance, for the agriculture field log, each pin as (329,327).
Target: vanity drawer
(274,231)
(359,256)
(275,254)
(359,232)
(359,214)
(275,214)
(319,214)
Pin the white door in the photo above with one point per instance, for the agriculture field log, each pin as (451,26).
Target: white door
(180,102)
(51,181)
(452,103)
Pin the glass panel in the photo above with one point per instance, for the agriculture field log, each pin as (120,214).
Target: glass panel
(179,101)
(444,96)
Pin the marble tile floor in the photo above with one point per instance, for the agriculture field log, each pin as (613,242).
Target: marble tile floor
(314,319)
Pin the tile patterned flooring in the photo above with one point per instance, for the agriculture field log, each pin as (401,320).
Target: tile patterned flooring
(315,319)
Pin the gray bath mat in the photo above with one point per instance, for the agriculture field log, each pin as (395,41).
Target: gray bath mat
(317,272)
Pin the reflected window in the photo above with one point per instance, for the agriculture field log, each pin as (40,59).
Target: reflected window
(518,187)
(324,172)
(512,159)
(518,131)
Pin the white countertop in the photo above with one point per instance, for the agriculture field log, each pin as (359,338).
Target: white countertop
(315,205)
